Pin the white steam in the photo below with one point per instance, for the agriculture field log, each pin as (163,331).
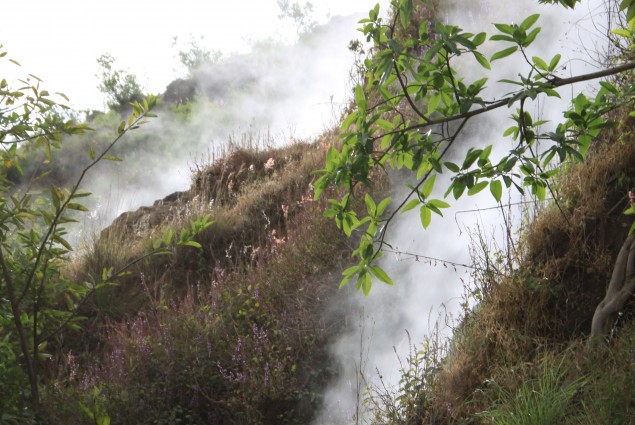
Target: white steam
(426,290)
(274,95)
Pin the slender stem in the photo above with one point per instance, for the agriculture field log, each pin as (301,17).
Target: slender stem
(415,189)
(17,319)
(555,83)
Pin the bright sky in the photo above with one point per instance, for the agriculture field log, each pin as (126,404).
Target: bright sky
(59,40)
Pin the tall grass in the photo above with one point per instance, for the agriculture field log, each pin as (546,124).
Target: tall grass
(232,333)
(546,399)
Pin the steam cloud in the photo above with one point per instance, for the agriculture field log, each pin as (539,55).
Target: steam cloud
(427,294)
(296,92)
(271,96)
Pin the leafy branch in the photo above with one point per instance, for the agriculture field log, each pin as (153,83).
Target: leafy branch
(415,105)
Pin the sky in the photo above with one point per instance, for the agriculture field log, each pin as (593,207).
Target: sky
(59,40)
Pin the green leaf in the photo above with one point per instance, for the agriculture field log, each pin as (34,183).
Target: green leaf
(433,103)
(486,152)
(530,37)
(168,237)
(193,244)
(319,186)
(452,166)
(410,205)
(351,271)
(380,274)
(504,53)
(80,195)
(480,58)
(370,204)
(479,38)
(499,37)
(609,87)
(471,156)
(504,28)
(622,32)
(458,187)
(428,185)
(360,97)
(540,192)
(76,207)
(382,206)
(540,64)
(554,62)
(384,124)
(62,242)
(477,188)
(367,284)
(360,278)
(405,13)
(438,81)
(349,120)
(529,21)
(496,188)
(438,203)
(425,215)
(436,165)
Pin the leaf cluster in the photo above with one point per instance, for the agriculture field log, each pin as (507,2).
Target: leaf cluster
(36,299)
(415,104)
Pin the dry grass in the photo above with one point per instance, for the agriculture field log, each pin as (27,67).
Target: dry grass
(549,301)
(573,254)
(180,331)
(251,196)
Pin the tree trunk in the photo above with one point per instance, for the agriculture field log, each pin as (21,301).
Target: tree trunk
(621,288)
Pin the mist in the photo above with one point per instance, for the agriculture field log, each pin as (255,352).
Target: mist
(274,95)
(430,268)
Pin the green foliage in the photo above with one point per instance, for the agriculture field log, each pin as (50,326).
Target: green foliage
(300,14)
(247,344)
(549,399)
(95,411)
(193,56)
(607,397)
(410,401)
(37,302)
(120,88)
(566,3)
(414,105)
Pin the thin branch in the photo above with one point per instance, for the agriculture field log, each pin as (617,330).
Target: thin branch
(452,82)
(62,207)
(554,83)
(405,92)
(17,318)
(415,189)
(75,312)
(440,260)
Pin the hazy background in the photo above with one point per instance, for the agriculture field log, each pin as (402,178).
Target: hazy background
(295,92)
(282,89)
(59,40)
